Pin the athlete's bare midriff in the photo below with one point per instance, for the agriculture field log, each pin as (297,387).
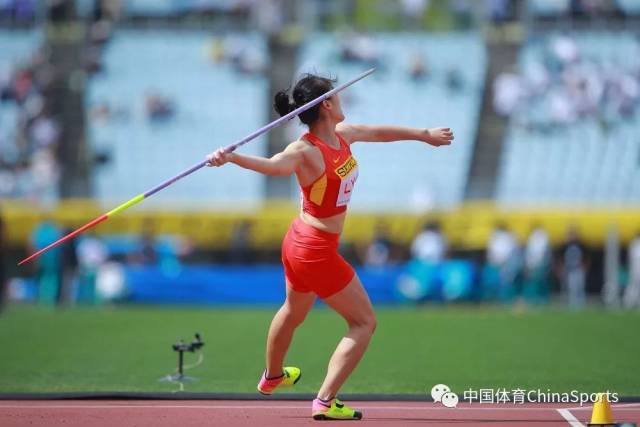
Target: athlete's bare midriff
(332,224)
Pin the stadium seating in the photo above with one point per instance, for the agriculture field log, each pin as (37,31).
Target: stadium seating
(163,8)
(16,47)
(214,106)
(583,163)
(211,109)
(409,175)
(548,8)
(629,7)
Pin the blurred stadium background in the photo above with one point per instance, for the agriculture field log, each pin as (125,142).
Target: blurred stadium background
(536,203)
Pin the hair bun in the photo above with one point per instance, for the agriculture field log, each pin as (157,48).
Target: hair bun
(282,104)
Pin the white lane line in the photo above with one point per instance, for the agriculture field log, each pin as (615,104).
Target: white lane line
(568,416)
(626,406)
(149,407)
(302,406)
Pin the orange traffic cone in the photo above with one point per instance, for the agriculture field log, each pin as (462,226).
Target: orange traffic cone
(601,415)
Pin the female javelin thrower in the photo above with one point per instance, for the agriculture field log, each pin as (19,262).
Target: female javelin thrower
(326,172)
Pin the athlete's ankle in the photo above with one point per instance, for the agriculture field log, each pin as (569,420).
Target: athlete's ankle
(273,375)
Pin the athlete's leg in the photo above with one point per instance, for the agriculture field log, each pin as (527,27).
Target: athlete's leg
(353,304)
(287,319)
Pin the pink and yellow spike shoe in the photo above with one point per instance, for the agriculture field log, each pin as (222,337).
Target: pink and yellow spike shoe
(333,410)
(290,376)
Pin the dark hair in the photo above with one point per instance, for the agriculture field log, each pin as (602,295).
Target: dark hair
(308,88)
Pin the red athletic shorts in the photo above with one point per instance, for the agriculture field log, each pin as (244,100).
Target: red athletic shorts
(312,262)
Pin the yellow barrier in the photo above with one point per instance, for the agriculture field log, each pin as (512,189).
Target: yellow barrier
(467,227)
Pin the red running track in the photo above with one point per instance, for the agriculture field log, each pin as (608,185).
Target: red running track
(126,413)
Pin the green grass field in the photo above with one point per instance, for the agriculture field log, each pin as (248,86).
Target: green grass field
(128,349)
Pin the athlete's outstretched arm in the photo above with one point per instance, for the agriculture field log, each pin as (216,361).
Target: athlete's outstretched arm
(381,133)
(281,164)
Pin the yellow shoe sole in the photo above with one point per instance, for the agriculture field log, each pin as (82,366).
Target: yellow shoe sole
(320,416)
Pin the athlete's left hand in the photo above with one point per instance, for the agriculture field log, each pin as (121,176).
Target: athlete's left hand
(219,157)
(438,136)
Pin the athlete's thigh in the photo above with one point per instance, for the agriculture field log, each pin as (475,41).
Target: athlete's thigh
(300,303)
(352,303)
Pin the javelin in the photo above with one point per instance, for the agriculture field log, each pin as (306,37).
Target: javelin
(197,166)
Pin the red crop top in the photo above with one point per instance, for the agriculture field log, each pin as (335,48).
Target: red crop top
(329,195)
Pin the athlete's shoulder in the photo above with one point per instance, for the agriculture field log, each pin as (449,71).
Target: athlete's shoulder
(300,144)
(304,145)
(300,147)
(347,132)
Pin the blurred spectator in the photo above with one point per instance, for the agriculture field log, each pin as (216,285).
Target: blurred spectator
(99,33)
(92,254)
(454,80)
(562,109)
(240,246)
(28,165)
(564,50)
(48,265)
(413,11)
(378,253)
(359,48)
(4,291)
(239,53)
(108,11)
(158,107)
(500,11)
(22,84)
(18,12)
(537,259)
(93,61)
(537,79)
(217,50)
(508,93)
(503,257)
(147,253)
(577,8)
(100,112)
(561,85)
(44,171)
(243,56)
(430,245)
(44,131)
(574,261)
(632,292)
(592,8)
(251,62)
(610,290)
(103,112)
(418,69)
(69,271)
(462,11)
(268,15)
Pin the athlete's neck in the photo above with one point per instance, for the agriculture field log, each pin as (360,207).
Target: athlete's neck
(326,131)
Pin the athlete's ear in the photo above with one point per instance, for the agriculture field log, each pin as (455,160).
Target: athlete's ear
(326,103)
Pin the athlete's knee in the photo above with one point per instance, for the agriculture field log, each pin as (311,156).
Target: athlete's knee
(293,317)
(366,322)
(372,324)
